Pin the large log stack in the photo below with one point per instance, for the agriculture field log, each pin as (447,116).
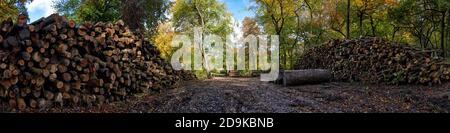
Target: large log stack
(374,60)
(54,61)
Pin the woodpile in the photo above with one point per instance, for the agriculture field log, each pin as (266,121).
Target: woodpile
(373,60)
(55,61)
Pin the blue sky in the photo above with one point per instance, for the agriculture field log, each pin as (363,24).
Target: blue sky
(42,8)
(239,8)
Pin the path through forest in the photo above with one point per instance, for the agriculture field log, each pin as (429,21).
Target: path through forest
(236,95)
(232,95)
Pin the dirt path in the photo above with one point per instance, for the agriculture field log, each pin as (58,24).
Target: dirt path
(236,95)
(230,95)
(227,95)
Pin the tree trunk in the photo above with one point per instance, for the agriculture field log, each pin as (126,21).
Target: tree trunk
(301,77)
(348,19)
(393,34)
(448,27)
(202,22)
(443,34)
(361,29)
(372,24)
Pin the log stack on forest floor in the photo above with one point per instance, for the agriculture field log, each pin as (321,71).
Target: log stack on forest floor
(374,60)
(54,61)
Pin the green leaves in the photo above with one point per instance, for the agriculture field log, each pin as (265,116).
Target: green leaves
(143,15)
(89,10)
(209,14)
(12,8)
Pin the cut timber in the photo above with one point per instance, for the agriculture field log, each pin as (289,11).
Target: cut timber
(55,61)
(59,84)
(12,103)
(301,77)
(67,77)
(21,104)
(33,103)
(377,61)
(5,84)
(49,95)
(42,103)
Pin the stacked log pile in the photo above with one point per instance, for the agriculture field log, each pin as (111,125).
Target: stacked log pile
(54,61)
(373,60)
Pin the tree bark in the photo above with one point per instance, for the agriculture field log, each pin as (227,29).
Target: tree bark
(372,25)
(361,29)
(301,77)
(202,22)
(348,19)
(443,34)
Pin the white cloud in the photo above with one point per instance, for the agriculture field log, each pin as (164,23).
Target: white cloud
(236,27)
(43,7)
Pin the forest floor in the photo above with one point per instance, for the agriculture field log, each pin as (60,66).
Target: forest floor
(248,95)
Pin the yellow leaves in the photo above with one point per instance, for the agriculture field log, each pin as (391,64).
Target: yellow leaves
(7,10)
(250,27)
(391,2)
(369,4)
(163,39)
(282,8)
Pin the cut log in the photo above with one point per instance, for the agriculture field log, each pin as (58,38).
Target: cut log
(72,24)
(66,96)
(12,41)
(14,80)
(59,85)
(52,77)
(7,74)
(37,57)
(42,103)
(3,66)
(45,73)
(24,34)
(37,93)
(76,85)
(30,64)
(31,28)
(12,103)
(21,104)
(1,39)
(59,99)
(62,68)
(42,64)
(53,68)
(49,95)
(301,77)
(75,99)
(21,62)
(33,103)
(67,77)
(40,81)
(5,84)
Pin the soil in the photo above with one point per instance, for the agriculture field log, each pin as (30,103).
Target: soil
(249,95)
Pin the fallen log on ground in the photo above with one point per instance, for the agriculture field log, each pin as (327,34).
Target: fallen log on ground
(302,77)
